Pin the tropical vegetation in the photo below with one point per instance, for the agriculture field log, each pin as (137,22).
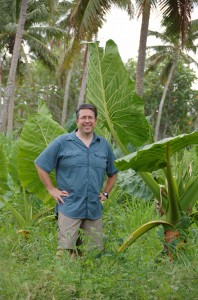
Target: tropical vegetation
(60,65)
(171,52)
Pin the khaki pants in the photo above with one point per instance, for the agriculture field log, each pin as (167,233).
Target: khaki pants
(68,232)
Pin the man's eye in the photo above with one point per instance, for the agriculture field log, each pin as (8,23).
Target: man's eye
(86,118)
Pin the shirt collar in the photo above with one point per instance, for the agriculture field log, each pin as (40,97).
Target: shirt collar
(72,136)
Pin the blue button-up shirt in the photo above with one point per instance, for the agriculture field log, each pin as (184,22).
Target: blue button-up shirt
(80,170)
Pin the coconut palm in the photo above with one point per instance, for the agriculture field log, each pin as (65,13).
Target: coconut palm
(12,73)
(36,35)
(85,18)
(144,10)
(176,16)
(170,53)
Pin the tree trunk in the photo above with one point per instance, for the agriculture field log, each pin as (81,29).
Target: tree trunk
(1,75)
(157,127)
(84,77)
(28,67)
(7,116)
(142,48)
(66,95)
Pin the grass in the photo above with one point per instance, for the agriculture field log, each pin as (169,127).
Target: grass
(30,271)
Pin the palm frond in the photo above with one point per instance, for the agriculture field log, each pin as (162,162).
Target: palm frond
(126,5)
(156,34)
(11,28)
(68,57)
(42,50)
(189,59)
(177,17)
(161,48)
(194,25)
(158,57)
(37,10)
(154,62)
(47,31)
(88,15)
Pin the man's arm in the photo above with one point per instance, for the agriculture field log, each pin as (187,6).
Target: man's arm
(108,186)
(46,180)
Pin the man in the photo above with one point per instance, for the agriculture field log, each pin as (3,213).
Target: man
(81,159)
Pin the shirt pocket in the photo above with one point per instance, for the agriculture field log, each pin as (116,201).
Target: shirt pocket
(73,158)
(100,159)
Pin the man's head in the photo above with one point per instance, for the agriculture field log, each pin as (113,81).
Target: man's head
(86,106)
(86,116)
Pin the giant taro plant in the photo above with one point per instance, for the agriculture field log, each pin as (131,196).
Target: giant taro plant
(177,205)
(18,174)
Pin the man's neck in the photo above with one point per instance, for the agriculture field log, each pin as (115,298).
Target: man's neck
(85,138)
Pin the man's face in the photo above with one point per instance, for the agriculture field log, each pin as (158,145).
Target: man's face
(86,121)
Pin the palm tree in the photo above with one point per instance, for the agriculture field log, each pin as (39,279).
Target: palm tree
(144,9)
(9,99)
(66,96)
(176,16)
(86,17)
(170,53)
(37,35)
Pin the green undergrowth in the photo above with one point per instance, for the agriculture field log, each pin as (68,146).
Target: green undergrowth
(30,271)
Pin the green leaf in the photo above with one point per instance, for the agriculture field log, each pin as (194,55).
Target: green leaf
(194,215)
(158,190)
(153,157)
(37,133)
(130,182)
(173,212)
(140,231)
(41,214)
(19,218)
(190,195)
(43,109)
(111,89)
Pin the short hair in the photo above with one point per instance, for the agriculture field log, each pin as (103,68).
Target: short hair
(87,106)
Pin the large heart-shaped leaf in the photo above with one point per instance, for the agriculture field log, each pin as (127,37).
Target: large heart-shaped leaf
(37,133)
(153,157)
(111,89)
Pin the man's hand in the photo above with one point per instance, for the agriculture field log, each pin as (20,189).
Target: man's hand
(53,191)
(102,197)
(57,194)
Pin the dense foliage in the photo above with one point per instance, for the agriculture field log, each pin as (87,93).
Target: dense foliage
(179,112)
(28,225)
(29,269)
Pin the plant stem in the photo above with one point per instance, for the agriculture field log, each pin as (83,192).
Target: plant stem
(173,209)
